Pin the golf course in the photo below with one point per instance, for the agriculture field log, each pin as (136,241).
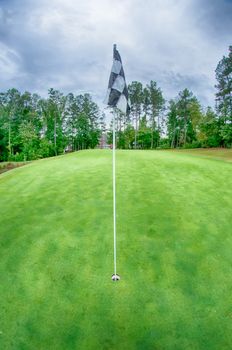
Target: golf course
(174,252)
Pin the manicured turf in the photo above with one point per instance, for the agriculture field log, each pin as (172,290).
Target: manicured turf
(174,253)
(215,153)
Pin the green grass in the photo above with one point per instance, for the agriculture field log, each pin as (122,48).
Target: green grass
(174,253)
(215,153)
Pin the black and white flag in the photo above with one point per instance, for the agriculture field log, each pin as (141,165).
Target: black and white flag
(117,93)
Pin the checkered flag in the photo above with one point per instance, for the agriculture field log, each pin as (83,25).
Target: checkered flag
(117,93)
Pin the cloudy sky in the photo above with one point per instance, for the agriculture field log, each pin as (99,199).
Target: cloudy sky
(67,44)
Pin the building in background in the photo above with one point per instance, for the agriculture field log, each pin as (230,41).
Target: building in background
(103,142)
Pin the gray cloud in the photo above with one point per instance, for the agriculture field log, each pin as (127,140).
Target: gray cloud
(214,19)
(68,45)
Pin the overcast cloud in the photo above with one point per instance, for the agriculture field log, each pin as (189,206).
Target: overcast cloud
(67,44)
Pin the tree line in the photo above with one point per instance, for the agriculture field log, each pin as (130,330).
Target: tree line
(180,122)
(32,127)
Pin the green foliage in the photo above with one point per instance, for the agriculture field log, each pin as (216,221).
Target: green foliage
(194,144)
(164,143)
(183,121)
(29,139)
(144,134)
(143,128)
(17,157)
(209,131)
(32,127)
(224,97)
(156,105)
(135,90)
(45,148)
(226,134)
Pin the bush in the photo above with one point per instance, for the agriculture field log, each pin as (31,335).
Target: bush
(164,144)
(194,144)
(18,157)
(45,149)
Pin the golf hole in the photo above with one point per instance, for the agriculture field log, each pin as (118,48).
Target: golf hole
(115,277)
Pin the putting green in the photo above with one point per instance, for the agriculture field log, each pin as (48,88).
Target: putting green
(174,253)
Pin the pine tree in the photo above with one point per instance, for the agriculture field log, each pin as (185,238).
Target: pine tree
(224,97)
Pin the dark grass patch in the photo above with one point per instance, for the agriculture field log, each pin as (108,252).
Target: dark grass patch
(6,166)
(214,153)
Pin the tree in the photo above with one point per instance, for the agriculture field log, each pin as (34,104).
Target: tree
(209,133)
(30,140)
(56,114)
(224,97)
(156,105)
(183,105)
(135,90)
(172,124)
(87,122)
(183,120)
(195,115)
(11,110)
(144,134)
(33,127)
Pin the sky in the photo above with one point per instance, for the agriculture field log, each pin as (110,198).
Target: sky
(68,44)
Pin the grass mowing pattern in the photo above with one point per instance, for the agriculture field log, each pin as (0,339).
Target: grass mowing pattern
(174,253)
(216,153)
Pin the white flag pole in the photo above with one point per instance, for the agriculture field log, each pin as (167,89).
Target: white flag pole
(114,196)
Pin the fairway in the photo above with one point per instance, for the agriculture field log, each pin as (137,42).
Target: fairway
(174,227)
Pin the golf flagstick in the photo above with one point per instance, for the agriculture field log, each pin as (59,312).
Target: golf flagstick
(116,97)
(115,277)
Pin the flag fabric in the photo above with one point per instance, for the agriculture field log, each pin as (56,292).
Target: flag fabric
(117,93)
